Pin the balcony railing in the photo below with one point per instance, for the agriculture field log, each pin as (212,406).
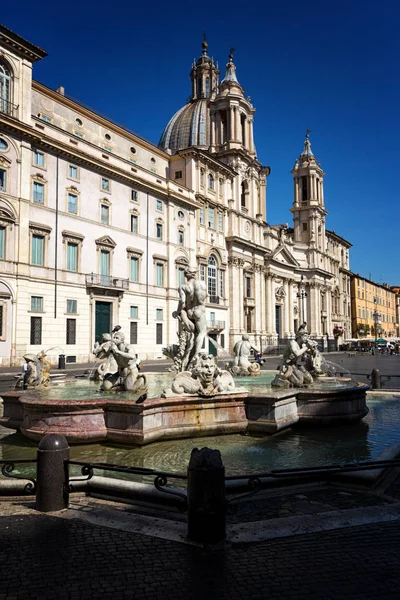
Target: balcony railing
(95,280)
(214,299)
(216,325)
(8,108)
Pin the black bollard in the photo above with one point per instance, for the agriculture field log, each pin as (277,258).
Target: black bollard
(206,497)
(52,492)
(376,382)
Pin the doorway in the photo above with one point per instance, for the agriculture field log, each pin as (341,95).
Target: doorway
(103,319)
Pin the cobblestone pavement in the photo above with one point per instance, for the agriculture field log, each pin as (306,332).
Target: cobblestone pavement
(45,557)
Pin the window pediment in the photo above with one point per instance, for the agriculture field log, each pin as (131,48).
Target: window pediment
(160,257)
(71,236)
(105,241)
(134,252)
(39,228)
(5,163)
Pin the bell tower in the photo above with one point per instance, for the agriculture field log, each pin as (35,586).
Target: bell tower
(308,207)
(232,116)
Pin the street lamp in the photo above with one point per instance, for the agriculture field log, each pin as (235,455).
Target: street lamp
(302,294)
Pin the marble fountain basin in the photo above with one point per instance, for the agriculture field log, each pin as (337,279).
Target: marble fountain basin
(81,413)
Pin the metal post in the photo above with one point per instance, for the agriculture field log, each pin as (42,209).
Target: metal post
(206,497)
(52,482)
(376,381)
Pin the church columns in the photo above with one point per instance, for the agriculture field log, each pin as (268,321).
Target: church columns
(232,123)
(286,326)
(251,139)
(314,312)
(290,307)
(238,132)
(269,306)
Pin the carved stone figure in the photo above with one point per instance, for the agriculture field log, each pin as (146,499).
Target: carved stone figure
(314,359)
(103,351)
(127,376)
(191,313)
(291,374)
(37,371)
(205,379)
(241,363)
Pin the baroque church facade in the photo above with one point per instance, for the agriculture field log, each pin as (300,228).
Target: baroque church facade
(98,225)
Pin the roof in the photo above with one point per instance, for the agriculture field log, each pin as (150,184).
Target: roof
(21,46)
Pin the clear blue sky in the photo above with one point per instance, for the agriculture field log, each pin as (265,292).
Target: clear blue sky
(332,67)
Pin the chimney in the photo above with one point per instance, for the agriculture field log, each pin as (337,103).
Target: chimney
(61,90)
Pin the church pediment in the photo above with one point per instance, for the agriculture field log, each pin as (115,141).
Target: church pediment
(281,255)
(106,240)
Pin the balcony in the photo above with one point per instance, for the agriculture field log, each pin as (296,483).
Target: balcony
(106,281)
(214,299)
(8,108)
(215,325)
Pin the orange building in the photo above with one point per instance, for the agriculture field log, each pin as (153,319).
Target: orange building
(374,309)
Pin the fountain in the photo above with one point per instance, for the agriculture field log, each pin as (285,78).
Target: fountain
(200,399)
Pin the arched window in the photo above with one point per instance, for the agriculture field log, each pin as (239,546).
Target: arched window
(212,277)
(210,181)
(5,89)
(207,87)
(215,280)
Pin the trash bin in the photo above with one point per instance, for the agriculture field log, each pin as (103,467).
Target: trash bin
(61,361)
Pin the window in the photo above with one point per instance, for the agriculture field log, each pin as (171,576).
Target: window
(71,331)
(72,203)
(108,137)
(159,231)
(72,307)
(159,274)
(212,318)
(105,184)
(2,241)
(36,331)
(133,150)
(181,276)
(78,134)
(181,214)
(104,267)
(107,148)
(134,195)
(181,237)
(72,257)
(244,189)
(210,181)
(37,250)
(72,172)
(202,272)
(37,303)
(134,271)
(5,89)
(134,312)
(159,333)
(178,174)
(159,314)
(202,176)
(212,278)
(133,332)
(105,214)
(304,226)
(38,158)
(304,193)
(79,122)
(38,192)
(134,223)
(3,144)
(153,160)
(45,118)
(201,214)
(3,180)
(2,322)
(211,218)
(159,205)
(248,286)
(220,222)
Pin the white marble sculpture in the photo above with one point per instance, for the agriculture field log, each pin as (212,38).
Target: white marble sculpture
(205,379)
(241,363)
(291,374)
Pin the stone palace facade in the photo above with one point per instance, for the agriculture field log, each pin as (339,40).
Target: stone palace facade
(98,225)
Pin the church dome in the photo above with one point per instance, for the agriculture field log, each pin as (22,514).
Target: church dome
(190,126)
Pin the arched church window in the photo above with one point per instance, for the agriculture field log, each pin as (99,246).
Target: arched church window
(243,127)
(304,189)
(212,277)
(210,181)
(207,87)
(5,88)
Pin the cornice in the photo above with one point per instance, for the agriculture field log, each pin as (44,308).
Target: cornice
(15,43)
(82,110)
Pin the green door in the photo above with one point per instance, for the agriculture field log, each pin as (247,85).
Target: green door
(103,319)
(212,348)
